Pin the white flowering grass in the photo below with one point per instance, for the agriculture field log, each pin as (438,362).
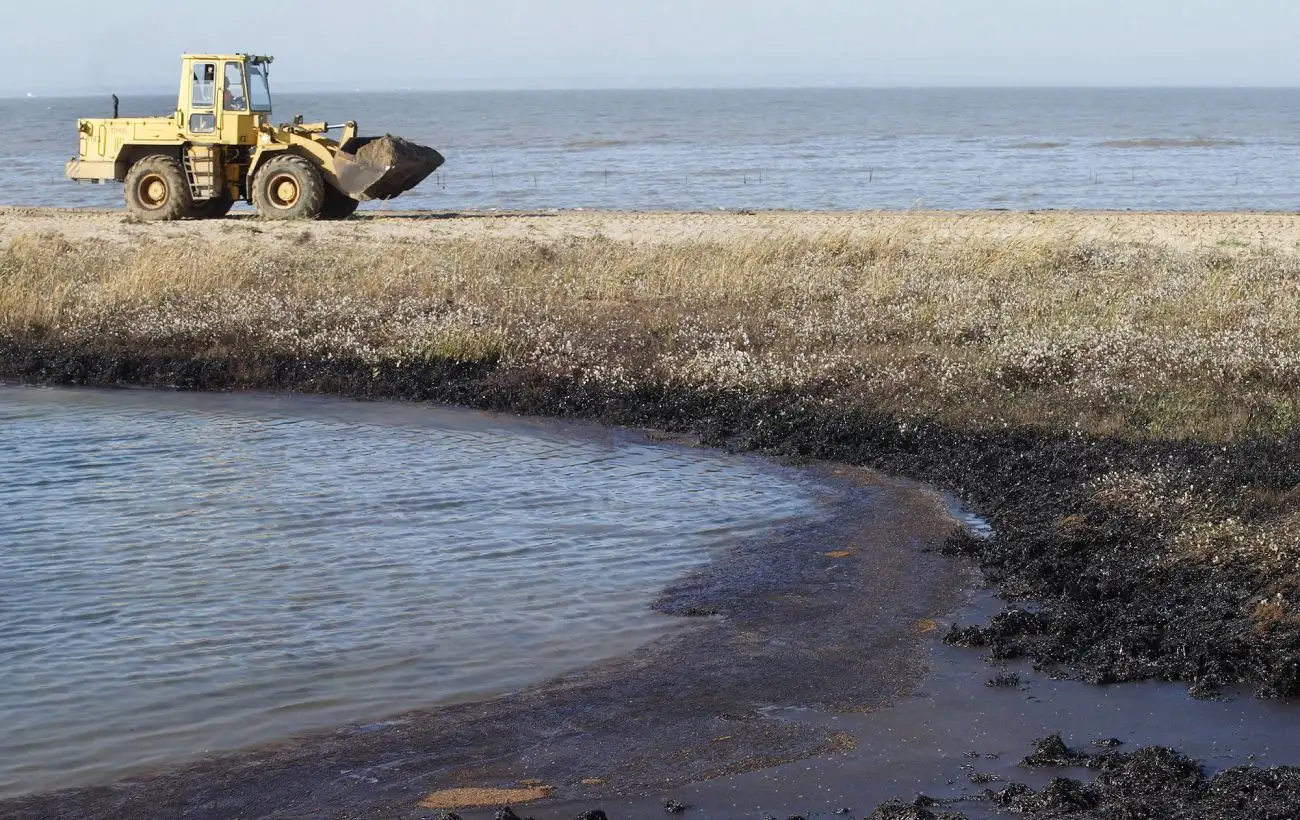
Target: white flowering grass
(1115,339)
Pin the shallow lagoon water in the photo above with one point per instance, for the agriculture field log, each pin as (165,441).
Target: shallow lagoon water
(185,573)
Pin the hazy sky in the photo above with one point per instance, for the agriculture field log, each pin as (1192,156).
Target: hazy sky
(59,46)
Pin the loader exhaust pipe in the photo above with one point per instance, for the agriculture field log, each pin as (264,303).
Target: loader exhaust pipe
(115,102)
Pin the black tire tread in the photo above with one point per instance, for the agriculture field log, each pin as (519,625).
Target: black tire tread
(311,198)
(180,202)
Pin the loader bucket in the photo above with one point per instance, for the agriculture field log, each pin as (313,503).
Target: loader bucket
(382,167)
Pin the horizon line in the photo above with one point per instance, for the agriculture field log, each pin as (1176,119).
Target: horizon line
(828,86)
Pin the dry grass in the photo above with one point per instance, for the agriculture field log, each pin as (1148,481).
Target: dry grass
(1104,338)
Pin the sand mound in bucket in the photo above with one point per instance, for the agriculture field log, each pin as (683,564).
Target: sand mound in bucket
(389,152)
(384,167)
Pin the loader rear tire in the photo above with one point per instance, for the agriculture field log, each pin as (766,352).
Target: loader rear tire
(288,187)
(157,191)
(213,208)
(338,205)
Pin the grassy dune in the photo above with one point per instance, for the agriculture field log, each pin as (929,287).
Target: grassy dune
(1154,392)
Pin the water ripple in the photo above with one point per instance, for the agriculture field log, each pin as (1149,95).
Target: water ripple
(186,573)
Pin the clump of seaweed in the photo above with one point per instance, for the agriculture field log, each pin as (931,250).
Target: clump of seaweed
(1153,782)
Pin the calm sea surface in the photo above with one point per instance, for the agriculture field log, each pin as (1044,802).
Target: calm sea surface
(800,149)
(189,573)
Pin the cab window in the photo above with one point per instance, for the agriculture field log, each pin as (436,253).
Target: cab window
(204,86)
(259,90)
(234,98)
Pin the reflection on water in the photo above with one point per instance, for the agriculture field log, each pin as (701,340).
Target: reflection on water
(185,573)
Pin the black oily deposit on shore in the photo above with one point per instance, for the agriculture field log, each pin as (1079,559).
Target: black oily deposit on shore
(1154,783)
(1108,604)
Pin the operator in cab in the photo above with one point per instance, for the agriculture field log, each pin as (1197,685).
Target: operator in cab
(232,97)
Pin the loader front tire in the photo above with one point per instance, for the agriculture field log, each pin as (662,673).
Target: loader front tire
(338,205)
(288,187)
(157,191)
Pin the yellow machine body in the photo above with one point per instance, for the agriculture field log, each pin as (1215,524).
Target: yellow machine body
(218,139)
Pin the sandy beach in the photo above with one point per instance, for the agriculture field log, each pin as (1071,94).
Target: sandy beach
(1181,231)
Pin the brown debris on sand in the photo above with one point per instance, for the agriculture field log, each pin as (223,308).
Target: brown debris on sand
(484,798)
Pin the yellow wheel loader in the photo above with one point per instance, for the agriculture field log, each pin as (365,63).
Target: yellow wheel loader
(220,146)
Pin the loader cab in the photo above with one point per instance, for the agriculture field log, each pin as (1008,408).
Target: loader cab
(224,99)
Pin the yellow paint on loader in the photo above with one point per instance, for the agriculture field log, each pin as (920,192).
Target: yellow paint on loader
(220,146)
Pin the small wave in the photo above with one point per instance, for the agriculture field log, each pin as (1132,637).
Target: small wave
(594,144)
(1163,142)
(1036,146)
